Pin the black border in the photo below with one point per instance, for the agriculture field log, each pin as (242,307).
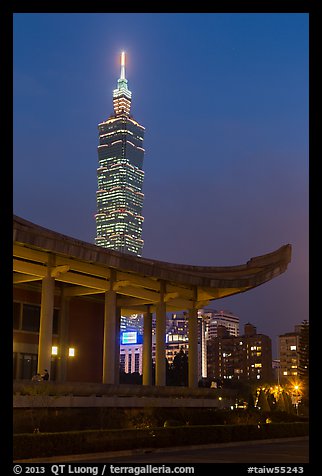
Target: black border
(8,9)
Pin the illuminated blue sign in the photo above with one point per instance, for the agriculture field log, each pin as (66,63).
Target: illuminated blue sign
(129,337)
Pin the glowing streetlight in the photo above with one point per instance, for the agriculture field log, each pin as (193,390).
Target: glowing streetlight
(296,394)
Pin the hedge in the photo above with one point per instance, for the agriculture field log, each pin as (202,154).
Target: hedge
(47,420)
(91,441)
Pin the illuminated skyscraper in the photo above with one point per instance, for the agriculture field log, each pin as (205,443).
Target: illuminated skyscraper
(120,176)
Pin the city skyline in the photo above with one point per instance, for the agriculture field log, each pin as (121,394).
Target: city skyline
(226,116)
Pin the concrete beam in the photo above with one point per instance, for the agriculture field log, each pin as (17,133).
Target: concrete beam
(24,278)
(29,268)
(83,280)
(81,291)
(137,292)
(82,267)
(206,294)
(30,254)
(134,279)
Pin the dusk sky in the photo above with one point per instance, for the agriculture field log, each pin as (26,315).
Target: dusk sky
(224,100)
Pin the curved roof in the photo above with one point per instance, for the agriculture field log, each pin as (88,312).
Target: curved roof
(89,269)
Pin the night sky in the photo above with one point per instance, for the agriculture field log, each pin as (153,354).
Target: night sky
(224,100)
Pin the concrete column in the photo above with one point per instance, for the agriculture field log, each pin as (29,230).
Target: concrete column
(204,370)
(46,323)
(109,338)
(147,347)
(117,345)
(19,365)
(63,338)
(193,348)
(160,367)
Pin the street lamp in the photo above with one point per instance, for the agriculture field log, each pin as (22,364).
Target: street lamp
(296,396)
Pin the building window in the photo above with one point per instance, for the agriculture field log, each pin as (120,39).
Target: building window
(55,321)
(53,367)
(137,363)
(30,317)
(129,363)
(14,366)
(16,315)
(27,366)
(122,362)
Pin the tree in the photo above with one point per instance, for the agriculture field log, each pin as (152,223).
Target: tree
(284,403)
(281,405)
(262,402)
(271,400)
(250,401)
(130,378)
(180,368)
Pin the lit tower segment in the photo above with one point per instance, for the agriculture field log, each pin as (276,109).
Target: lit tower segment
(120,175)
(122,95)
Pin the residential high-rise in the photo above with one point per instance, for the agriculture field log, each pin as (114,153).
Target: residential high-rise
(120,175)
(214,319)
(289,354)
(246,357)
(211,320)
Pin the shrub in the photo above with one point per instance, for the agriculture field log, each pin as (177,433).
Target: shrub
(76,442)
(169,423)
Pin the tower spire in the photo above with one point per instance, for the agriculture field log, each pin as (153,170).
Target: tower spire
(122,94)
(122,65)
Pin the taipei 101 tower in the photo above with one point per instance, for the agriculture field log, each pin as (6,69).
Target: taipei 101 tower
(120,175)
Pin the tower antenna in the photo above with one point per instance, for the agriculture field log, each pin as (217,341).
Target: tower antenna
(122,65)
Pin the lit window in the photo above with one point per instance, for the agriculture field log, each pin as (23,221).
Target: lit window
(293,347)
(54,350)
(71,352)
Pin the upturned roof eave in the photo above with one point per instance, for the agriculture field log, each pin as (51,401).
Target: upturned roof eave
(256,271)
